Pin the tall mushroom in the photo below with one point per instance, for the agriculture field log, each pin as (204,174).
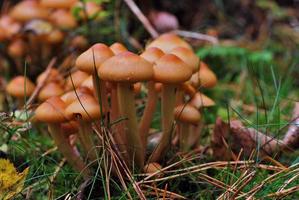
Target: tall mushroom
(170,71)
(124,69)
(52,113)
(151,55)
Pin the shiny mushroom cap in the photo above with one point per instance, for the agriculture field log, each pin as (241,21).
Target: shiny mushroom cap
(73,95)
(20,86)
(152,54)
(65,4)
(187,114)
(93,57)
(200,100)
(50,90)
(53,76)
(170,69)
(63,19)
(28,10)
(188,56)
(87,109)
(126,67)
(75,79)
(88,83)
(168,41)
(118,48)
(51,111)
(205,77)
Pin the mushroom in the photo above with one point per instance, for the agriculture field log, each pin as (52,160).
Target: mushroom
(168,41)
(52,113)
(151,55)
(200,100)
(152,168)
(20,87)
(75,79)
(118,48)
(63,19)
(186,116)
(50,90)
(10,26)
(52,76)
(73,95)
(125,69)
(205,77)
(85,109)
(27,10)
(171,71)
(89,61)
(64,4)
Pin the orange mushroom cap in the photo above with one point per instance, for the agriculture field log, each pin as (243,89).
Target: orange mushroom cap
(118,48)
(58,3)
(20,86)
(152,54)
(167,42)
(53,76)
(200,100)
(49,90)
(93,57)
(63,19)
(187,114)
(126,67)
(75,79)
(188,56)
(171,69)
(51,111)
(205,77)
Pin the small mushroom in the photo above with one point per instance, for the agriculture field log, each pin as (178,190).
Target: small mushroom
(118,48)
(186,116)
(205,77)
(171,71)
(20,87)
(75,79)
(51,89)
(63,19)
(57,4)
(52,113)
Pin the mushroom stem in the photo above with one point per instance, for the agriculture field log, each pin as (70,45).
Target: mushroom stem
(183,136)
(119,129)
(168,104)
(67,150)
(100,92)
(196,133)
(148,113)
(85,132)
(127,109)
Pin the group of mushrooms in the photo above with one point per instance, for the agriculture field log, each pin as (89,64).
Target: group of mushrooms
(34,30)
(105,84)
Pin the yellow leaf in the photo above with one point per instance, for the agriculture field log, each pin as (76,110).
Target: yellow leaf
(11,182)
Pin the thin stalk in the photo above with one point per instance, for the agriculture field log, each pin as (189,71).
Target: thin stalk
(148,113)
(127,109)
(100,92)
(168,104)
(67,150)
(85,136)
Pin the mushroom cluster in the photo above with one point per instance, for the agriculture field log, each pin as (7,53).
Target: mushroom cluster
(102,92)
(33,31)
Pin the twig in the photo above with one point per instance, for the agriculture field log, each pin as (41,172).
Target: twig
(168,193)
(147,25)
(41,84)
(195,35)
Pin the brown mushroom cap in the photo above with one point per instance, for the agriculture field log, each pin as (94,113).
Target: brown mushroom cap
(79,42)
(95,55)
(188,56)
(58,3)
(71,96)
(54,37)
(126,67)
(51,111)
(53,76)
(118,48)
(171,69)
(75,79)
(10,26)
(167,42)
(88,83)
(28,10)
(187,114)
(152,54)
(17,48)
(205,77)
(200,100)
(152,168)
(49,90)
(20,86)
(63,19)
(87,108)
